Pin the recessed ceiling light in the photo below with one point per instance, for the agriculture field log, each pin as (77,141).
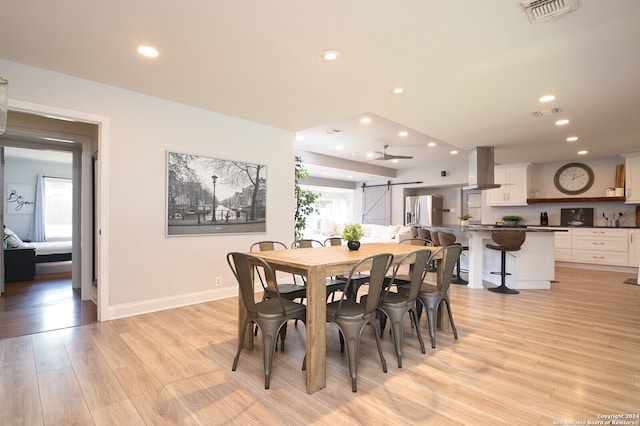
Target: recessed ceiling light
(583,152)
(395,161)
(329,54)
(547,98)
(562,122)
(431,144)
(148,51)
(454,152)
(369,155)
(365,120)
(398,91)
(339,147)
(572,138)
(403,134)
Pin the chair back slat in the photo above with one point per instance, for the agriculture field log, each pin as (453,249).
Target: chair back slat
(449,256)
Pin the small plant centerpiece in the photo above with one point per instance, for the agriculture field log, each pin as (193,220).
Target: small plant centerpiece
(511,220)
(464,219)
(352,234)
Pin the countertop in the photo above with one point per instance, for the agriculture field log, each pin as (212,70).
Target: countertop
(491,228)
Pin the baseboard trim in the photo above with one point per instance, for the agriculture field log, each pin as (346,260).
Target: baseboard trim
(153,305)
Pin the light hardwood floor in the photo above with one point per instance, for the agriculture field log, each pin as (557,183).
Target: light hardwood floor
(568,354)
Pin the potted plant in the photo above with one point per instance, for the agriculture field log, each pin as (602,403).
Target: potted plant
(464,219)
(511,219)
(305,199)
(352,234)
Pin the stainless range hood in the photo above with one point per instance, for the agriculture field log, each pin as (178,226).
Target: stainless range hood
(481,168)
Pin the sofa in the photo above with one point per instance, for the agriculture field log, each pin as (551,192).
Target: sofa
(372,233)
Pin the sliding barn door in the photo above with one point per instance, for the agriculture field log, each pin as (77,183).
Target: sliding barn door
(376,205)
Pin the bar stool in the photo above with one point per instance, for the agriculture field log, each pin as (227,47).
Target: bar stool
(446,239)
(507,241)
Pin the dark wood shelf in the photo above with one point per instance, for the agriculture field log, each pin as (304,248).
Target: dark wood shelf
(574,200)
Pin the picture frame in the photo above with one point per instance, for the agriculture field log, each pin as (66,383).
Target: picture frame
(576,217)
(214,196)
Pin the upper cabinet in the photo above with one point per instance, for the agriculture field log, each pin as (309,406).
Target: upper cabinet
(632,178)
(514,189)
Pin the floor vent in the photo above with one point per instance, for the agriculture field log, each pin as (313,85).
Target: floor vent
(539,10)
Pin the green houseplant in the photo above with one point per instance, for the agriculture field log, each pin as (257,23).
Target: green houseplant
(464,219)
(352,234)
(511,219)
(305,199)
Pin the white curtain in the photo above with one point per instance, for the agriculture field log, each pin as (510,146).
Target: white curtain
(37,228)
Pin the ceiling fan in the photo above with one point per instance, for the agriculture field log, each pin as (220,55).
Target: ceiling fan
(384,156)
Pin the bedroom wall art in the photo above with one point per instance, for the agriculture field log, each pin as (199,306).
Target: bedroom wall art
(21,198)
(211,196)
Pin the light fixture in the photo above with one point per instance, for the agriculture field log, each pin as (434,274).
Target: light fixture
(329,55)
(431,144)
(4,103)
(403,134)
(454,152)
(562,122)
(365,120)
(397,91)
(148,51)
(339,147)
(547,98)
(572,138)
(583,152)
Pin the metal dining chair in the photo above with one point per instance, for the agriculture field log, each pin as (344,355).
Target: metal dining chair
(270,315)
(431,297)
(351,317)
(396,305)
(290,290)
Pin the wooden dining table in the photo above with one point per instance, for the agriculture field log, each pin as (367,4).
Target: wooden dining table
(316,264)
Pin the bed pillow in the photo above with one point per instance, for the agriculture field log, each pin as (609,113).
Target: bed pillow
(12,239)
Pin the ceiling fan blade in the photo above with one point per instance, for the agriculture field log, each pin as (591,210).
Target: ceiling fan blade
(399,157)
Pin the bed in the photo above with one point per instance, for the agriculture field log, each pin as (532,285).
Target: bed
(51,251)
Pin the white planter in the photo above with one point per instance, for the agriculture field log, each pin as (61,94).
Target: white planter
(464,223)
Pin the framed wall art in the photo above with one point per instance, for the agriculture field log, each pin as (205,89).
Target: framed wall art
(210,196)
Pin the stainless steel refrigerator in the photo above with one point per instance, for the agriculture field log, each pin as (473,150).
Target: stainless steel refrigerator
(423,210)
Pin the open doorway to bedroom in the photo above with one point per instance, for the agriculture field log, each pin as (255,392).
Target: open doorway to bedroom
(43,205)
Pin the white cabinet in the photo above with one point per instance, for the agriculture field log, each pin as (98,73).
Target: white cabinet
(514,189)
(632,178)
(563,245)
(600,246)
(634,247)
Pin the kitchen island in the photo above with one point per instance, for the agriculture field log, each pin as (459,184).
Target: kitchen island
(532,267)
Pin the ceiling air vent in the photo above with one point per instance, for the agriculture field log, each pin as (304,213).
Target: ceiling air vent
(545,112)
(334,131)
(539,10)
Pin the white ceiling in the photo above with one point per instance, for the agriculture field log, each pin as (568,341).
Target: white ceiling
(472,71)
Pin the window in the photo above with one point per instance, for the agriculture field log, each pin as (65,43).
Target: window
(58,208)
(334,205)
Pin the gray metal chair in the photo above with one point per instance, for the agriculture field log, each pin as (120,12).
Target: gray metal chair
(333,241)
(396,305)
(290,290)
(351,317)
(333,283)
(269,315)
(447,239)
(431,297)
(306,243)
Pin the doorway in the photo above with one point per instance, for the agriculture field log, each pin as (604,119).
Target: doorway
(59,295)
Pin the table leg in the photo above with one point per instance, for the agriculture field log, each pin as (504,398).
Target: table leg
(316,329)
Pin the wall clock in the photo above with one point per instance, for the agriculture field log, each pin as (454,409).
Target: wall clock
(573,178)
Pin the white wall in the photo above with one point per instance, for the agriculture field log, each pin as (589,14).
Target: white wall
(145,269)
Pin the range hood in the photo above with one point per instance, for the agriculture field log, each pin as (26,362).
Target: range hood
(481,168)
